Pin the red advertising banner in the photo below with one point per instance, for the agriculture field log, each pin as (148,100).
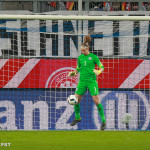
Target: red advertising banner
(53,73)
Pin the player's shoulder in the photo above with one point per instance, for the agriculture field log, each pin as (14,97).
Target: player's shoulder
(81,56)
(93,55)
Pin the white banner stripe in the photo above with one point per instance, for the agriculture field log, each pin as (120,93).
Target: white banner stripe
(3,62)
(137,75)
(22,73)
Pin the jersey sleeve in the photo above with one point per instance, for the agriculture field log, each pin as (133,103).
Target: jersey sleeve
(78,65)
(99,64)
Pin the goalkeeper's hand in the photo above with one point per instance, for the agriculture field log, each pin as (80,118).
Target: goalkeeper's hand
(97,72)
(71,74)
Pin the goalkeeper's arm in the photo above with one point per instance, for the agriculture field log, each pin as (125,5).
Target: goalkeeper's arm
(73,73)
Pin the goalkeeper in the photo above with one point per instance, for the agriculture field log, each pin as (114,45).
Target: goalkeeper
(86,67)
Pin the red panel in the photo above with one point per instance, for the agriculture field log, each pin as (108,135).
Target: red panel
(116,71)
(52,73)
(145,83)
(11,67)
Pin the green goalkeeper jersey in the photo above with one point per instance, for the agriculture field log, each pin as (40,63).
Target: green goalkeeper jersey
(86,64)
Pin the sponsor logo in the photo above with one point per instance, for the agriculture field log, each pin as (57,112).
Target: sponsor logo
(116,104)
(53,111)
(60,79)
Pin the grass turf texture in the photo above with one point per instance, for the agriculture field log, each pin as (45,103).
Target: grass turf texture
(75,140)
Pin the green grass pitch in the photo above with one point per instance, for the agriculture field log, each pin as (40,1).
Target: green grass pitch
(75,140)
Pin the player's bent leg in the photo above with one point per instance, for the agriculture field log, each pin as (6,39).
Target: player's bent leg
(77,111)
(79,97)
(96,99)
(100,111)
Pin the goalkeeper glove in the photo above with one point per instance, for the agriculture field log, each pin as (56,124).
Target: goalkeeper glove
(71,74)
(97,72)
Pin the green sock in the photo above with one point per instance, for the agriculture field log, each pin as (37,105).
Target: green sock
(77,111)
(101,112)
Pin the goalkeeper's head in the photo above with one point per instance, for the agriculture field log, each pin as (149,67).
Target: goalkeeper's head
(86,45)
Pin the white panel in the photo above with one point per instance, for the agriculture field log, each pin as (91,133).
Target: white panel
(144,37)
(126,38)
(105,44)
(133,110)
(49,47)
(121,108)
(60,38)
(110,114)
(33,36)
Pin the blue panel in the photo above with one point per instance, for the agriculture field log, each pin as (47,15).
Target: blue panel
(56,114)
